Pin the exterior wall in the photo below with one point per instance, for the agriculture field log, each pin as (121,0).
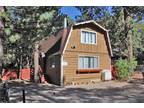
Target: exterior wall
(54,75)
(71,55)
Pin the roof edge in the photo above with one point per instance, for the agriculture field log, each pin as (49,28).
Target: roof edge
(90,21)
(107,34)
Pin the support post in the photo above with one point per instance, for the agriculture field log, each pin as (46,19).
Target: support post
(36,63)
(23,95)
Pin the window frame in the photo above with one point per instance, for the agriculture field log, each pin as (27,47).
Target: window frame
(88,56)
(90,31)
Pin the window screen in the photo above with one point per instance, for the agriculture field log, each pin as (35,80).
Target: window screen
(88,62)
(88,37)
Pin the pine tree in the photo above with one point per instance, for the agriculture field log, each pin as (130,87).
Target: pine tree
(24,27)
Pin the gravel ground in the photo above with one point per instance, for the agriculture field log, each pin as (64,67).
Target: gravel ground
(102,92)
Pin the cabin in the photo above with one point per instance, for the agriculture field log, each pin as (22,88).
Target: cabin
(77,54)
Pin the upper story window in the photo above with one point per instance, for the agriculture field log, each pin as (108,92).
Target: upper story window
(88,37)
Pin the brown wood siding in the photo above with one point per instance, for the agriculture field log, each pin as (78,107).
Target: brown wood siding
(71,55)
(74,40)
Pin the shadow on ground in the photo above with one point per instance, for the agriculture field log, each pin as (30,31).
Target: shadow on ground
(133,92)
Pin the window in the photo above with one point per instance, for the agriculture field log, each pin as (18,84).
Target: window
(86,62)
(88,37)
(52,62)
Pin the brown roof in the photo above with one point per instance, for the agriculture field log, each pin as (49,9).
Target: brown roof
(48,43)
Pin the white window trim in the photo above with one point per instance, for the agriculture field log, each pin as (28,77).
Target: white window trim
(89,56)
(91,32)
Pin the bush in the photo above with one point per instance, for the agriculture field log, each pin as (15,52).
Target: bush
(125,68)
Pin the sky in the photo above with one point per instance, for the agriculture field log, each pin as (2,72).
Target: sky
(70,11)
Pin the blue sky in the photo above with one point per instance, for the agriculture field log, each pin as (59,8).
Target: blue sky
(70,11)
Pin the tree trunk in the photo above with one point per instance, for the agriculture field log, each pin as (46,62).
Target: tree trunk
(36,64)
(128,33)
(20,67)
(130,43)
(1,55)
(1,36)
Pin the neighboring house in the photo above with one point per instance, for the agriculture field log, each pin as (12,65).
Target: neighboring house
(77,54)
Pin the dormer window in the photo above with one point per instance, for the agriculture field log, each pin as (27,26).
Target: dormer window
(88,37)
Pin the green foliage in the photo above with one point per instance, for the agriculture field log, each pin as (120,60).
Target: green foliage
(24,26)
(138,41)
(3,15)
(125,68)
(7,31)
(47,16)
(8,59)
(14,38)
(132,65)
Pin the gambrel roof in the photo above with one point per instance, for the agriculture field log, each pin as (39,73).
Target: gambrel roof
(64,35)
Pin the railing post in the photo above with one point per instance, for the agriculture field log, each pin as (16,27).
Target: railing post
(23,94)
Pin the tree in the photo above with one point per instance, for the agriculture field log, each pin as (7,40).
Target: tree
(138,41)
(131,14)
(96,13)
(25,27)
(1,36)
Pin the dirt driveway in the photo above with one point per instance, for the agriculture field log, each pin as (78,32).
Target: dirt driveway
(106,92)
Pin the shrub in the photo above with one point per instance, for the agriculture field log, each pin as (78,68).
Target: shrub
(132,65)
(125,68)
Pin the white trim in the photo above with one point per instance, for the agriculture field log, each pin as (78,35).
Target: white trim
(62,72)
(89,56)
(109,44)
(67,40)
(91,21)
(90,32)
